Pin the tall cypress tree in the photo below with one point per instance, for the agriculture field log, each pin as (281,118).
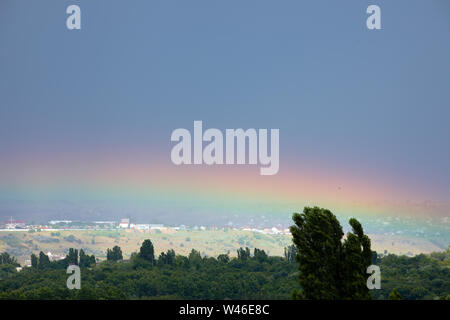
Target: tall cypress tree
(115,254)
(44,261)
(72,257)
(357,256)
(147,252)
(329,267)
(34,261)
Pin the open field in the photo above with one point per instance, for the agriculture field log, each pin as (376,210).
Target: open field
(22,244)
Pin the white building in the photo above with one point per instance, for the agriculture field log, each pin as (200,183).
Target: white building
(124,223)
(274,230)
(110,223)
(15,224)
(156,226)
(142,226)
(60,221)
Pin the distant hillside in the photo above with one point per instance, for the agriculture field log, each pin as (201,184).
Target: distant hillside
(210,243)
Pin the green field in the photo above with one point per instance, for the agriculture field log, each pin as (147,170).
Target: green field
(210,243)
(22,244)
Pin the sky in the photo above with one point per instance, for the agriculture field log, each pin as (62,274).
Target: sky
(86,115)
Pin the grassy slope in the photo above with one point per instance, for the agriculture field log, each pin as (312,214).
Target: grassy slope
(211,243)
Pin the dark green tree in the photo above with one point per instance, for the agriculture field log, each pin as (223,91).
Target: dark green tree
(34,261)
(290,252)
(260,255)
(147,252)
(5,258)
(115,254)
(395,295)
(167,258)
(92,260)
(356,257)
(224,258)
(86,260)
(195,258)
(170,257)
(330,268)
(44,261)
(243,254)
(374,257)
(72,256)
(317,236)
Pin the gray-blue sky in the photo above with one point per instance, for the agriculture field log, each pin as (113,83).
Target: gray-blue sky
(369,101)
